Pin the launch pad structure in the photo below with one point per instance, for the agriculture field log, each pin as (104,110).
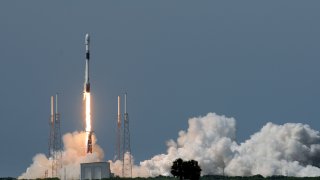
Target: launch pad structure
(123,148)
(55,146)
(126,156)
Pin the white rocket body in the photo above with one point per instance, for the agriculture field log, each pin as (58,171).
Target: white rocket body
(86,76)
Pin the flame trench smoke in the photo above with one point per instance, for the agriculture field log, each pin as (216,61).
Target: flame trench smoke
(72,156)
(291,149)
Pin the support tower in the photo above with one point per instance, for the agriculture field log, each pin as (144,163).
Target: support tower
(55,146)
(126,156)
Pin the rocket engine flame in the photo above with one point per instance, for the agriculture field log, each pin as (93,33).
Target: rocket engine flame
(87,99)
(88,127)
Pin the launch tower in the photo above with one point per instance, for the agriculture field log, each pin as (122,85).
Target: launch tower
(55,146)
(126,156)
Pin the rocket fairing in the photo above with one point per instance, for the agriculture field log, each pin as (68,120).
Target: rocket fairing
(86,77)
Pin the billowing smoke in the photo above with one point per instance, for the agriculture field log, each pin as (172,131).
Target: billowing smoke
(209,140)
(289,149)
(72,155)
(137,171)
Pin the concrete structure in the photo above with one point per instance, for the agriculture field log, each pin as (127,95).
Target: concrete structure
(95,170)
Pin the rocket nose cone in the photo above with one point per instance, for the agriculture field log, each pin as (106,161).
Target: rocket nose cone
(87,38)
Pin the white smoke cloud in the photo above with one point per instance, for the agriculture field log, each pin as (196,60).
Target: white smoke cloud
(288,149)
(72,155)
(208,140)
(137,171)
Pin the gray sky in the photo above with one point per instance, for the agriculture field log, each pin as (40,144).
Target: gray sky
(256,61)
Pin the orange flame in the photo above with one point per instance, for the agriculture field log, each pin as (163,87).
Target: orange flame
(87,99)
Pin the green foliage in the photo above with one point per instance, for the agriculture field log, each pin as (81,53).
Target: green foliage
(218,177)
(255,177)
(191,170)
(140,178)
(186,169)
(177,168)
(207,177)
(55,178)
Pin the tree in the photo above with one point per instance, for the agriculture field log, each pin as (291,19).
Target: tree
(191,170)
(186,169)
(177,168)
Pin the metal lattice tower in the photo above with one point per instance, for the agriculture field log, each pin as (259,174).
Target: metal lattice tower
(55,146)
(126,156)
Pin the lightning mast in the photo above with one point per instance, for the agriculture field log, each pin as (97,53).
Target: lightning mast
(118,140)
(126,156)
(55,146)
(51,125)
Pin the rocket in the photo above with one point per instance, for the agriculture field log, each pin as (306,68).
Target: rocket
(86,76)
(87,90)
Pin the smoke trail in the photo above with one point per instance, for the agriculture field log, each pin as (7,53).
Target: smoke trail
(289,149)
(72,156)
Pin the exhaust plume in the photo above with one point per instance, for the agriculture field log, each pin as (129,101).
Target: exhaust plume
(72,155)
(290,149)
